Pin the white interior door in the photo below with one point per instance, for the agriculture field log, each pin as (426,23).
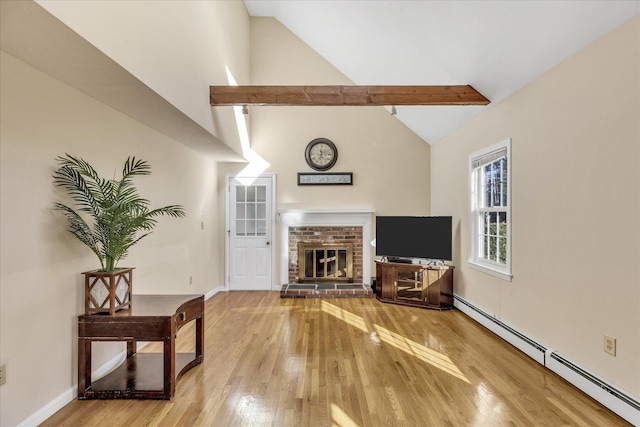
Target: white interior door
(250,234)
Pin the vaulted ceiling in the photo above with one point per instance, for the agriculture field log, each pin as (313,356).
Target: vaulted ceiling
(495,46)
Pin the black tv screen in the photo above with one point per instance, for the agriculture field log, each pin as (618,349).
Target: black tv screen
(414,237)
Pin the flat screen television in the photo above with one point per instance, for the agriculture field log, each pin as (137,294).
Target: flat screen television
(414,237)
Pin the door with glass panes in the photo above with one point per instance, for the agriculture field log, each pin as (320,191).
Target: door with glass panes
(250,249)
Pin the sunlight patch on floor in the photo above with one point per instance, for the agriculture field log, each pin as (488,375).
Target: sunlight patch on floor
(344,315)
(432,357)
(488,406)
(382,334)
(339,418)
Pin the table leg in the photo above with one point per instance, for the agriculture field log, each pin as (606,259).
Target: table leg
(200,336)
(132,348)
(84,366)
(170,361)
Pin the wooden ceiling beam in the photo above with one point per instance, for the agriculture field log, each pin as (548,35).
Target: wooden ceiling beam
(345,95)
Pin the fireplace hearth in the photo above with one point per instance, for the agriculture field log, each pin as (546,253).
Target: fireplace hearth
(326,290)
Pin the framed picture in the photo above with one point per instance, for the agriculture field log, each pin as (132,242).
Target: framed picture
(325,178)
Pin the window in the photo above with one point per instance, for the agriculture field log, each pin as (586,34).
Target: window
(251,210)
(490,221)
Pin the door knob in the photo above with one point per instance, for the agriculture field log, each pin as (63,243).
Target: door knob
(268,242)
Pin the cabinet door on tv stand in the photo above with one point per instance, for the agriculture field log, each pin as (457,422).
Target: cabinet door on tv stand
(389,283)
(378,280)
(432,282)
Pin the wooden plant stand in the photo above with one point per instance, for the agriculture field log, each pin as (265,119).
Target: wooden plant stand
(107,292)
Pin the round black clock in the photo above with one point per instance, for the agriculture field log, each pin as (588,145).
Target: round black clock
(321,154)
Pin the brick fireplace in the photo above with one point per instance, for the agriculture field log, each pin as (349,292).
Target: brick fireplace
(331,230)
(320,253)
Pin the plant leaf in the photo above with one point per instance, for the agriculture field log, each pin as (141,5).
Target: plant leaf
(121,218)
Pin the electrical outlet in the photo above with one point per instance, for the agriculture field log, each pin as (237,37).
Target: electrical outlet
(191,280)
(610,345)
(3,374)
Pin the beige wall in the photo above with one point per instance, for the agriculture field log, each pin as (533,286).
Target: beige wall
(576,248)
(41,284)
(390,164)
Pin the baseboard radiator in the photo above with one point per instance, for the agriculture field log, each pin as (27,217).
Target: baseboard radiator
(523,343)
(616,400)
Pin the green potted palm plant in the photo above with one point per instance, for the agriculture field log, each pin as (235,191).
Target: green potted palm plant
(119,218)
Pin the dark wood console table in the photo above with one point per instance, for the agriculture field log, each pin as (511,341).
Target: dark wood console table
(420,285)
(142,375)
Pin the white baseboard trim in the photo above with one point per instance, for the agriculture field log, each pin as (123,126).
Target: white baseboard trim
(51,408)
(70,394)
(616,400)
(214,291)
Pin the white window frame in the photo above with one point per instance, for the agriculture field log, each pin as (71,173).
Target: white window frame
(476,211)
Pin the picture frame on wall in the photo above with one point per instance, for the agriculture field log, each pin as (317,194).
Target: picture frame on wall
(325,178)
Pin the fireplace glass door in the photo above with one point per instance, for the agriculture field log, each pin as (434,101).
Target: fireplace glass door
(325,262)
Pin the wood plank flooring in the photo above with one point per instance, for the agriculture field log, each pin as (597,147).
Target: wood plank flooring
(348,362)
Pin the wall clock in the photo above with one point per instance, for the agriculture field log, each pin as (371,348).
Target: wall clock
(321,154)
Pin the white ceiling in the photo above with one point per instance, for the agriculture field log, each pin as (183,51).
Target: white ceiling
(495,46)
(33,35)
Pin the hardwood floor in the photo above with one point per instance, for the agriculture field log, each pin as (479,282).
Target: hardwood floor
(348,362)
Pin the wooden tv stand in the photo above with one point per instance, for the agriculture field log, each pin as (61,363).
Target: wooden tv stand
(418,285)
(143,375)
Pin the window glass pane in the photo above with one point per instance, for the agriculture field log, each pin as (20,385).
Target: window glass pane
(502,220)
(251,210)
(240,229)
(261,212)
(503,181)
(504,194)
(485,247)
(261,193)
(492,248)
(262,227)
(240,194)
(493,230)
(251,228)
(502,250)
(487,186)
(486,222)
(240,211)
(251,193)
(495,184)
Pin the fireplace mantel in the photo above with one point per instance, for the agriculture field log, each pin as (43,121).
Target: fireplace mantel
(325,217)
